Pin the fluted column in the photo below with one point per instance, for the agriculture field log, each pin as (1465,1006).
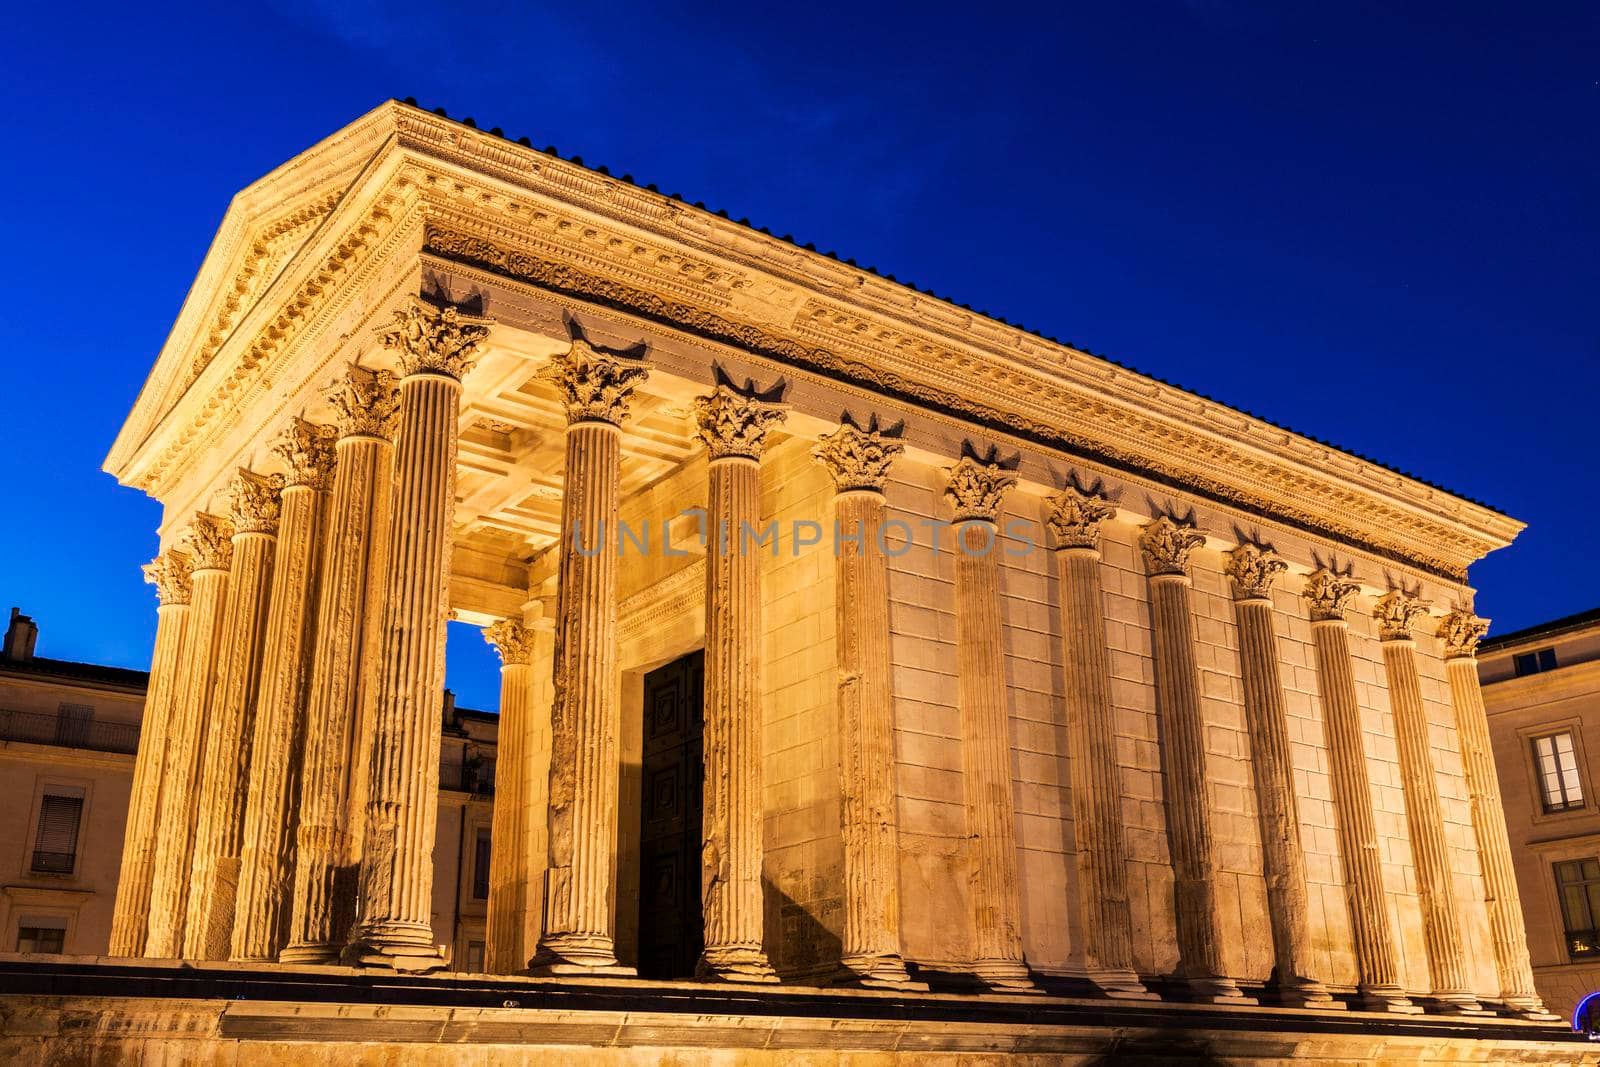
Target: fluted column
(579,925)
(1104,919)
(1430,852)
(733,423)
(266,867)
(1166,546)
(393,928)
(169,573)
(1460,632)
(1378,975)
(859,459)
(977,484)
(215,868)
(211,551)
(506,952)
(1252,569)
(337,749)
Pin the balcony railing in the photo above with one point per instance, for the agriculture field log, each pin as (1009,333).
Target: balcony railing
(68,731)
(467,775)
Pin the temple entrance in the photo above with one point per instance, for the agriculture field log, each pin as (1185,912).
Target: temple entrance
(671,926)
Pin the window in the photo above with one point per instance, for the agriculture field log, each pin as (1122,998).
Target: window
(480,866)
(55,847)
(475,957)
(1534,662)
(41,939)
(1578,883)
(1555,761)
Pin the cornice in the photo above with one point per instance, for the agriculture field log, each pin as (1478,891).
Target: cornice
(521,214)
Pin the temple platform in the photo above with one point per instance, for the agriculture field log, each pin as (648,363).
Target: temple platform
(89,1010)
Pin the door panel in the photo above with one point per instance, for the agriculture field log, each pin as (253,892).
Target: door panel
(671,927)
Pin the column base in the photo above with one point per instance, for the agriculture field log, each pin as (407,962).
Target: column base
(876,972)
(317,955)
(405,950)
(1457,1004)
(1005,976)
(1530,1008)
(1215,989)
(735,963)
(578,954)
(1301,992)
(1118,984)
(1390,999)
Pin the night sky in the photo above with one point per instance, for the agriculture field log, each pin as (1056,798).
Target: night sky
(1376,225)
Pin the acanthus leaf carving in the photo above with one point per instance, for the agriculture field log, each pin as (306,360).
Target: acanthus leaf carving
(1075,517)
(307,450)
(256,500)
(1395,612)
(367,402)
(170,574)
(1253,568)
(733,422)
(1167,544)
(1461,630)
(209,542)
(595,386)
(430,340)
(859,458)
(512,640)
(1330,595)
(978,483)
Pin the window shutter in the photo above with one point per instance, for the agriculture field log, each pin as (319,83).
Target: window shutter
(58,825)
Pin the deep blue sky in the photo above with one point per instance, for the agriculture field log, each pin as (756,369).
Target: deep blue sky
(1377,225)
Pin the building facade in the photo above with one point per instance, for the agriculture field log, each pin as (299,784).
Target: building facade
(851,638)
(1542,689)
(68,736)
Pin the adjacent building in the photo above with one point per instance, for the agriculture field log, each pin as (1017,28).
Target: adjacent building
(1542,689)
(68,734)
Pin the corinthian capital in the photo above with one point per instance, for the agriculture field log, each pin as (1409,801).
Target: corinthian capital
(734,421)
(857,458)
(209,542)
(431,340)
(256,503)
(594,385)
(979,482)
(1253,569)
(511,639)
(1394,611)
(367,401)
(169,573)
(1075,517)
(308,450)
(1330,594)
(1167,545)
(1461,631)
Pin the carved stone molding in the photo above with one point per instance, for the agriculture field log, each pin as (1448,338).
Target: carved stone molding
(595,386)
(1075,517)
(735,425)
(1167,545)
(977,487)
(1330,595)
(367,401)
(169,573)
(857,458)
(307,450)
(431,340)
(1461,631)
(209,543)
(256,502)
(1395,612)
(1253,569)
(511,639)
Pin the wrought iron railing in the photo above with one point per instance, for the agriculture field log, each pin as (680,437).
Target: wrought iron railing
(69,731)
(467,774)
